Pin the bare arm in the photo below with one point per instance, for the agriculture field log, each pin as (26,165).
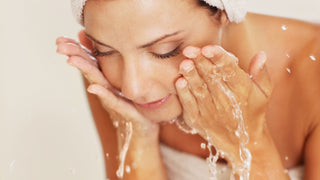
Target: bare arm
(311,154)
(106,132)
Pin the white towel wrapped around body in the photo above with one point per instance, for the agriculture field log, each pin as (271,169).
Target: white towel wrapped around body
(184,166)
(235,9)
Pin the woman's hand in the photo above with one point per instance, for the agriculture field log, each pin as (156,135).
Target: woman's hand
(221,101)
(120,109)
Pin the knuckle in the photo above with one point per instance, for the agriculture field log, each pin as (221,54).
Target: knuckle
(200,91)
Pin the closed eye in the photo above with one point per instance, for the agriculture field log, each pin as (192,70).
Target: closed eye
(170,54)
(97,53)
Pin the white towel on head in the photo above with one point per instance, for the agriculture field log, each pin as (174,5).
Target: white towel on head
(235,9)
(77,9)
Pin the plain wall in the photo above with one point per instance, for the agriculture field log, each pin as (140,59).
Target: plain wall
(46,129)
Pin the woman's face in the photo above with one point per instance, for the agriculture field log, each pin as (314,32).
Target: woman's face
(139,42)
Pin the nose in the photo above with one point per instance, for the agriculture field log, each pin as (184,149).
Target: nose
(134,84)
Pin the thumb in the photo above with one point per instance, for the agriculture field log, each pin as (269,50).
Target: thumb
(107,98)
(84,40)
(110,101)
(260,76)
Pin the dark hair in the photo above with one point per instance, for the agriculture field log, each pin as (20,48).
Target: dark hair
(212,9)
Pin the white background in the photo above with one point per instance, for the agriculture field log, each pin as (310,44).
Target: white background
(46,129)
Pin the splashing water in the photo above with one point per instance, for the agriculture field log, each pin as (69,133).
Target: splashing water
(124,149)
(241,133)
(128,169)
(286,158)
(284,27)
(203,145)
(312,58)
(212,161)
(184,127)
(288,70)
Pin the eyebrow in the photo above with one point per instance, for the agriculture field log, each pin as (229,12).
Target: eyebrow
(142,46)
(96,41)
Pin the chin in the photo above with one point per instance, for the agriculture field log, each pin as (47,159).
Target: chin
(168,112)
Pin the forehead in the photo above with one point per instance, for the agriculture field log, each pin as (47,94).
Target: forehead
(134,19)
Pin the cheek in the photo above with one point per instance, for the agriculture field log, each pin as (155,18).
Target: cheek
(112,70)
(161,73)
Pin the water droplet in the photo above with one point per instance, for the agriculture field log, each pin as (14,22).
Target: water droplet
(116,124)
(12,164)
(107,155)
(73,171)
(312,58)
(203,146)
(250,76)
(128,169)
(255,143)
(237,133)
(289,70)
(120,94)
(173,121)
(286,158)
(284,27)
(184,127)
(288,56)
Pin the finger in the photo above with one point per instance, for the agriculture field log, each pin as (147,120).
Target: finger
(227,67)
(71,49)
(65,39)
(218,55)
(203,65)
(90,71)
(187,100)
(107,98)
(259,73)
(197,86)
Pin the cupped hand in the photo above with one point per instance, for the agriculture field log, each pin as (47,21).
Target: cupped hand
(221,101)
(120,109)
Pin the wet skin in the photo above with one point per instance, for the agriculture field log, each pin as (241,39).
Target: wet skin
(293,130)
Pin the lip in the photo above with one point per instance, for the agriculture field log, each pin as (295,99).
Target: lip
(156,104)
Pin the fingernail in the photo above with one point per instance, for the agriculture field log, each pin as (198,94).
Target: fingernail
(187,66)
(207,52)
(92,91)
(191,52)
(182,83)
(263,60)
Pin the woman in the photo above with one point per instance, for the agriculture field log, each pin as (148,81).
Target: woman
(205,65)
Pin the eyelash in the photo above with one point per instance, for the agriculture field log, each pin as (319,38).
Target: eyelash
(170,54)
(173,53)
(97,53)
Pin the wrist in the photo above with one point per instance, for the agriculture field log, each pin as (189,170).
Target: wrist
(265,158)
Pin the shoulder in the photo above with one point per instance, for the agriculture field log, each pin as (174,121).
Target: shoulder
(306,67)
